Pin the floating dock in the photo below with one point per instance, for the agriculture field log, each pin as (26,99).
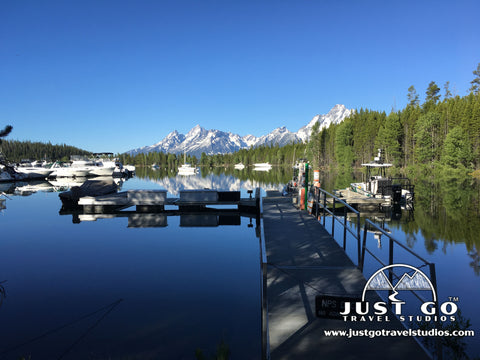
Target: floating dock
(303,261)
(151,208)
(156,200)
(355,198)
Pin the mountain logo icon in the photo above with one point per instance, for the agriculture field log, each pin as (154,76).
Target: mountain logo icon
(386,279)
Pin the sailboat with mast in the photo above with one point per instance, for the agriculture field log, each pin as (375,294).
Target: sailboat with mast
(186,168)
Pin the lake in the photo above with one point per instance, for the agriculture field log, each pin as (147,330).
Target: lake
(443,228)
(101,289)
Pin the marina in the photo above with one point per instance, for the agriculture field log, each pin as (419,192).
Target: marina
(294,257)
(287,180)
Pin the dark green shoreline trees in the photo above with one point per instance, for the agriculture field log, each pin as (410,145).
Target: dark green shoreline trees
(15,151)
(435,134)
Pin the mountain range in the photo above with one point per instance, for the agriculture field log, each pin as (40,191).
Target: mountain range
(199,140)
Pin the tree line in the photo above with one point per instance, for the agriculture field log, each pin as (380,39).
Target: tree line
(15,151)
(273,154)
(433,134)
(440,132)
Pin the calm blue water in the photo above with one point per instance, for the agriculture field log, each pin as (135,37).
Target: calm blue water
(102,290)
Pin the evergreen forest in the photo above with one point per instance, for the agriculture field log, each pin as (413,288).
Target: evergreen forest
(16,151)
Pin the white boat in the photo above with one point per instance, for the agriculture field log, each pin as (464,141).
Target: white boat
(130,168)
(239,166)
(81,167)
(186,168)
(106,160)
(33,172)
(262,167)
(378,185)
(59,170)
(99,167)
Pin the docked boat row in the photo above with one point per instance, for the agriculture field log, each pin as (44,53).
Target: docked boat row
(79,166)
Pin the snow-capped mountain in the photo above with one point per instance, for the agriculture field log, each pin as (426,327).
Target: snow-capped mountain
(199,140)
(280,136)
(336,115)
(196,141)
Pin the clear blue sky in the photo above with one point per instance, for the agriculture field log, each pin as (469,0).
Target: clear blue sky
(115,75)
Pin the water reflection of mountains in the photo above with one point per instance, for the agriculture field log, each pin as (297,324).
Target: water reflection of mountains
(222,181)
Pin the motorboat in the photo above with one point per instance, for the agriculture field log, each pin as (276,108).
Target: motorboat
(262,167)
(31,171)
(129,169)
(62,170)
(123,170)
(106,160)
(378,185)
(81,166)
(239,166)
(95,187)
(98,167)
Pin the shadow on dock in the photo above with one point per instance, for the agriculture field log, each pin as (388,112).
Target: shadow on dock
(304,261)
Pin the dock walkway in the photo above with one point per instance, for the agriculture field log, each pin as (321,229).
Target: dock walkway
(303,261)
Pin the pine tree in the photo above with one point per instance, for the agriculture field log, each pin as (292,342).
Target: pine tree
(448,93)
(412,96)
(427,139)
(476,81)
(456,149)
(389,138)
(432,93)
(344,144)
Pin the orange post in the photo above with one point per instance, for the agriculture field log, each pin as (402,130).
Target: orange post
(302,199)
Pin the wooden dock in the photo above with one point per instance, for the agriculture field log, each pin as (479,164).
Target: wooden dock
(303,261)
(156,201)
(354,198)
(151,208)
